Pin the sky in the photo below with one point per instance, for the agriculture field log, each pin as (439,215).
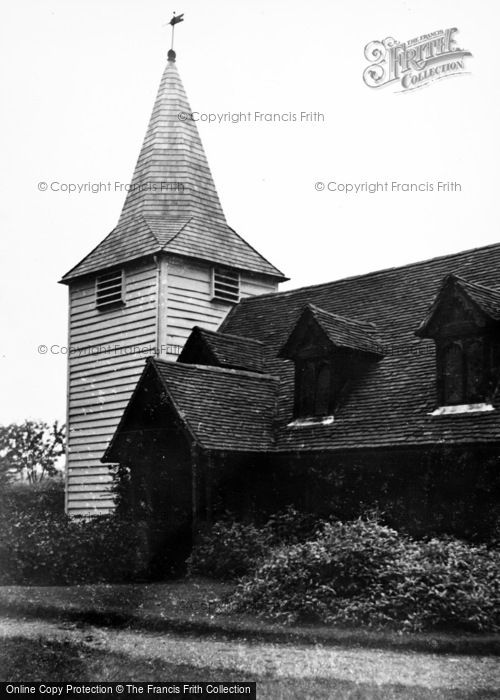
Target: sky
(79,78)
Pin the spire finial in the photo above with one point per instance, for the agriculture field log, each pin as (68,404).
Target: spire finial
(175,20)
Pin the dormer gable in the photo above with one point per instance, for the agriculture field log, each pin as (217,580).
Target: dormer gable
(318,331)
(464,322)
(328,351)
(460,308)
(205,347)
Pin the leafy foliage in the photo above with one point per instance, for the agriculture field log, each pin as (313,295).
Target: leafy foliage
(363,572)
(230,549)
(44,498)
(39,544)
(30,450)
(121,487)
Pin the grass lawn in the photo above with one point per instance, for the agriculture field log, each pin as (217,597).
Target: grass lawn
(188,606)
(39,660)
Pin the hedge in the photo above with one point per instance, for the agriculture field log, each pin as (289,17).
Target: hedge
(231,549)
(40,545)
(364,573)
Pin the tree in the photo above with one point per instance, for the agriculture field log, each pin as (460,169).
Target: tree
(30,450)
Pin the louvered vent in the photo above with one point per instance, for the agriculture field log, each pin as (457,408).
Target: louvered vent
(109,290)
(226,285)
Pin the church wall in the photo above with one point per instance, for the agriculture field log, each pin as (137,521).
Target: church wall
(103,368)
(189,301)
(103,371)
(432,490)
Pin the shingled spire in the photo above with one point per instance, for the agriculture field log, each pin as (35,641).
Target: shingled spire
(172,180)
(172,204)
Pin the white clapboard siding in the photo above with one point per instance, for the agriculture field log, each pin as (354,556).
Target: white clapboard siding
(107,355)
(84,366)
(108,351)
(254,286)
(189,298)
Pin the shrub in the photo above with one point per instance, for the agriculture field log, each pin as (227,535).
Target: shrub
(43,498)
(299,581)
(230,549)
(55,551)
(39,544)
(291,526)
(445,583)
(362,572)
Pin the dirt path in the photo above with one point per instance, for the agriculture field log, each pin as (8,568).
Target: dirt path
(275,660)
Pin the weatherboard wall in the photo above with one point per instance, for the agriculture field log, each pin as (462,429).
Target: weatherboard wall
(164,299)
(103,370)
(189,299)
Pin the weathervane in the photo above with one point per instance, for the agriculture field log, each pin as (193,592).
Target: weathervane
(175,20)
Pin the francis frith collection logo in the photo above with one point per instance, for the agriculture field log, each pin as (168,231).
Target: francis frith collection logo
(416,62)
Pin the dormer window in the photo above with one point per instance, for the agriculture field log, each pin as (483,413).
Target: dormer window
(314,387)
(463,321)
(225,285)
(109,290)
(461,371)
(328,352)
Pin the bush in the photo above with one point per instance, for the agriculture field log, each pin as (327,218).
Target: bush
(362,572)
(444,584)
(40,545)
(231,549)
(291,526)
(45,498)
(228,550)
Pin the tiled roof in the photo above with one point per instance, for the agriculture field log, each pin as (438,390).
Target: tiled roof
(341,332)
(224,409)
(225,350)
(389,404)
(172,204)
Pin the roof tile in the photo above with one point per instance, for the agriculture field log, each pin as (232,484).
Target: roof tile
(225,409)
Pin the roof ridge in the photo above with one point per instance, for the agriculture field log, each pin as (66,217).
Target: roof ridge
(176,234)
(476,284)
(228,335)
(373,273)
(64,278)
(212,368)
(352,321)
(221,245)
(141,216)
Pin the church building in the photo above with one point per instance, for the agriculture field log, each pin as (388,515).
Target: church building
(376,391)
